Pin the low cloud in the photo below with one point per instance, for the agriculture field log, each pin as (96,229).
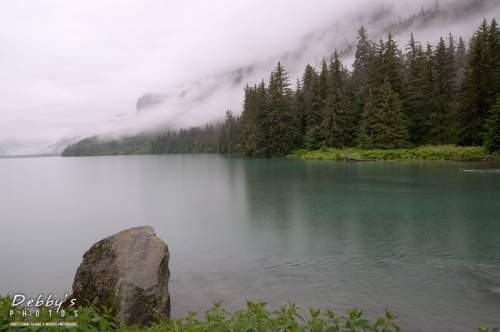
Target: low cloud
(76,69)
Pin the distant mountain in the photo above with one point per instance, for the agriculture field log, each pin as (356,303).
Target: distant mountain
(29,148)
(58,147)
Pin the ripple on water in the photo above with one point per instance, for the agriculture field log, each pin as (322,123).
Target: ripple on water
(489,170)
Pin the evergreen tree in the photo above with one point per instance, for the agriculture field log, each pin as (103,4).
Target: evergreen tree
(283,115)
(477,91)
(366,124)
(313,103)
(376,72)
(494,46)
(451,45)
(419,70)
(337,115)
(300,97)
(314,138)
(390,127)
(310,97)
(411,51)
(443,95)
(323,82)
(254,129)
(392,68)
(492,139)
(363,59)
(307,77)
(460,60)
(249,121)
(228,136)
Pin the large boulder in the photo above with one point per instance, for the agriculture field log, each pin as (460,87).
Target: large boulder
(127,272)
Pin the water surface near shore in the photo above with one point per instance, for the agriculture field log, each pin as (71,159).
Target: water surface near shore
(419,238)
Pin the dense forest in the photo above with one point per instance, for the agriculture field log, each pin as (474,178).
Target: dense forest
(392,98)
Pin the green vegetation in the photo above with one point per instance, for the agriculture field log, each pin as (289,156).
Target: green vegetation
(192,140)
(427,152)
(96,146)
(492,140)
(254,318)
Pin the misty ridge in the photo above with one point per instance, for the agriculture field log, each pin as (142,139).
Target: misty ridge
(206,99)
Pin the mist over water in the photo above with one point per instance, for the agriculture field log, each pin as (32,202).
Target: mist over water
(418,238)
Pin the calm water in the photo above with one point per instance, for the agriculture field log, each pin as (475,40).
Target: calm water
(422,239)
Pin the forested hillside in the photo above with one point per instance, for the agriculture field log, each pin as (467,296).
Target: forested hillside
(424,95)
(397,95)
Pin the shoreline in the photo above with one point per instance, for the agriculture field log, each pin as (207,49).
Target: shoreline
(429,153)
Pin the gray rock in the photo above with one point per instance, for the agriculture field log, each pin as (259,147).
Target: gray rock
(127,272)
(149,100)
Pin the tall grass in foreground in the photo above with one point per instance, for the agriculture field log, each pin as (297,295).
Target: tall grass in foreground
(427,152)
(254,318)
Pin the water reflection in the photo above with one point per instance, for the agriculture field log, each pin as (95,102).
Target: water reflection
(381,235)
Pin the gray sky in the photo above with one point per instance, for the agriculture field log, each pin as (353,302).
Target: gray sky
(77,68)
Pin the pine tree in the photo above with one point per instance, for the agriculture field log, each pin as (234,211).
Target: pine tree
(313,103)
(451,45)
(307,77)
(376,72)
(323,82)
(492,139)
(253,125)
(248,122)
(494,46)
(300,96)
(392,67)
(411,51)
(363,59)
(477,91)
(282,115)
(419,70)
(443,95)
(366,124)
(228,136)
(460,60)
(337,114)
(390,127)
(314,138)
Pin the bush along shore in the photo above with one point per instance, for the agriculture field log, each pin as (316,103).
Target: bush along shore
(428,152)
(255,317)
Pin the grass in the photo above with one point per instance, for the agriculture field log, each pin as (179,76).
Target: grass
(427,152)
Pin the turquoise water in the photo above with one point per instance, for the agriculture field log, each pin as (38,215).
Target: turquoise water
(419,238)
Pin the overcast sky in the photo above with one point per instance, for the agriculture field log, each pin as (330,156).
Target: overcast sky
(76,68)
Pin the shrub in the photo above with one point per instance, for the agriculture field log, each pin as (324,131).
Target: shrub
(254,318)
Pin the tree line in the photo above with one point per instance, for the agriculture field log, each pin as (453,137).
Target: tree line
(442,94)
(192,140)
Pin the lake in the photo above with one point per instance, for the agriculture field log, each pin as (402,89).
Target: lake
(419,238)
